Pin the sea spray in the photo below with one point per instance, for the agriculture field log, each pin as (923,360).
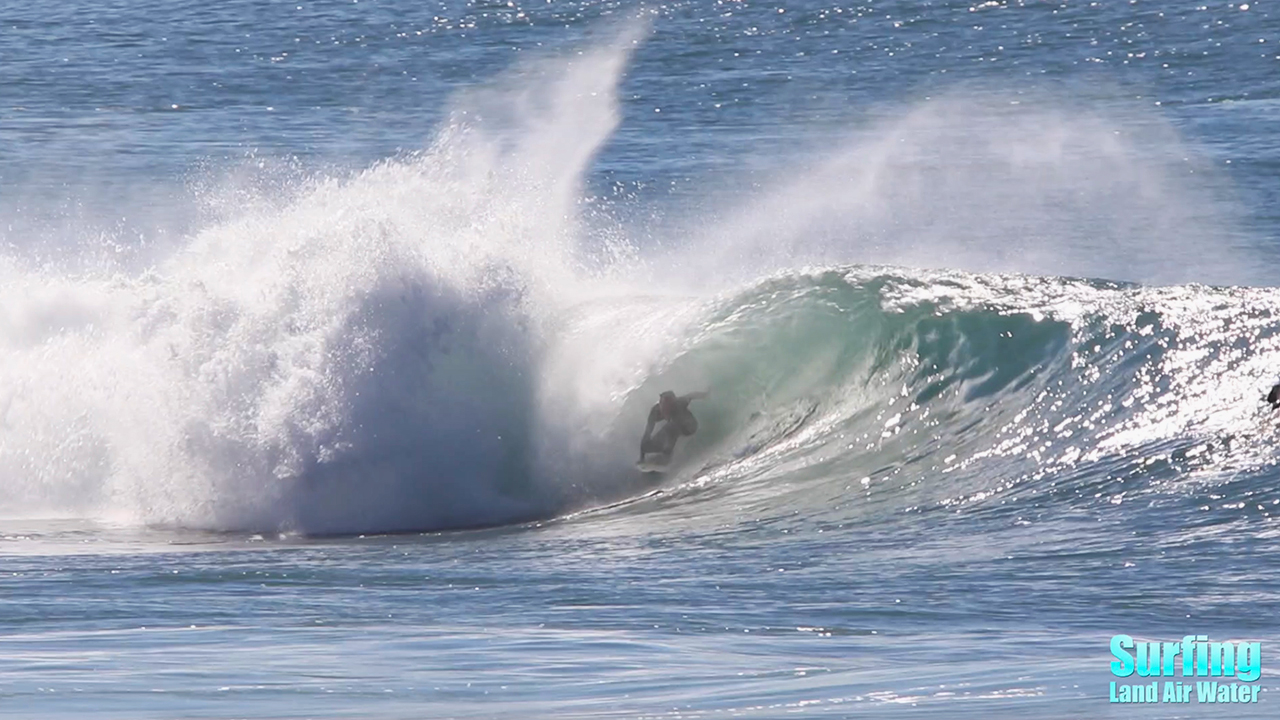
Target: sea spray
(363,358)
(979,179)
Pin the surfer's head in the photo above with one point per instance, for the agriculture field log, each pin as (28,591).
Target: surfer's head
(667,402)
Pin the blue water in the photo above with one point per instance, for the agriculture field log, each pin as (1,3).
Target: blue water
(328,331)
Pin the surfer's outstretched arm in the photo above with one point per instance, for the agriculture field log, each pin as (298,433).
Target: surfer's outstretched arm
(700,395)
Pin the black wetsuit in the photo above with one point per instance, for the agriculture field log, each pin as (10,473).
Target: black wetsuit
(681,423)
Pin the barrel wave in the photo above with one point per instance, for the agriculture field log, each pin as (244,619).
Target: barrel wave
(864,392)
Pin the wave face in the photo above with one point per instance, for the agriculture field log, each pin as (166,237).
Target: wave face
(462,336)
(848,391)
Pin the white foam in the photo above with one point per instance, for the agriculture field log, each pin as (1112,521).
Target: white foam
(362,357)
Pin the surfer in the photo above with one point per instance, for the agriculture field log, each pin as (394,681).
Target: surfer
(1273,397)
(677,421)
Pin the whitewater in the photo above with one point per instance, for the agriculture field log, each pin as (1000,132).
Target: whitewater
(319,437)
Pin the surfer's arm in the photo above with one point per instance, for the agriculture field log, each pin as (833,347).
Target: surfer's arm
(700,395)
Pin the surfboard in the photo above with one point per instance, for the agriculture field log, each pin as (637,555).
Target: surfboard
(659,464)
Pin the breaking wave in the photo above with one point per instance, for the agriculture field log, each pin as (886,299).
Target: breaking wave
(456,338)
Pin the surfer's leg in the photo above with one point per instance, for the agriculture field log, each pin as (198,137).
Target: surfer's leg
(661,442)
(669,439)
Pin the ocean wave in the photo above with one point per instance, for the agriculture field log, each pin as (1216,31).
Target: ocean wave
(463,336)
(928,390)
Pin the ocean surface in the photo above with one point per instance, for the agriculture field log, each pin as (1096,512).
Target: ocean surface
(328,331)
